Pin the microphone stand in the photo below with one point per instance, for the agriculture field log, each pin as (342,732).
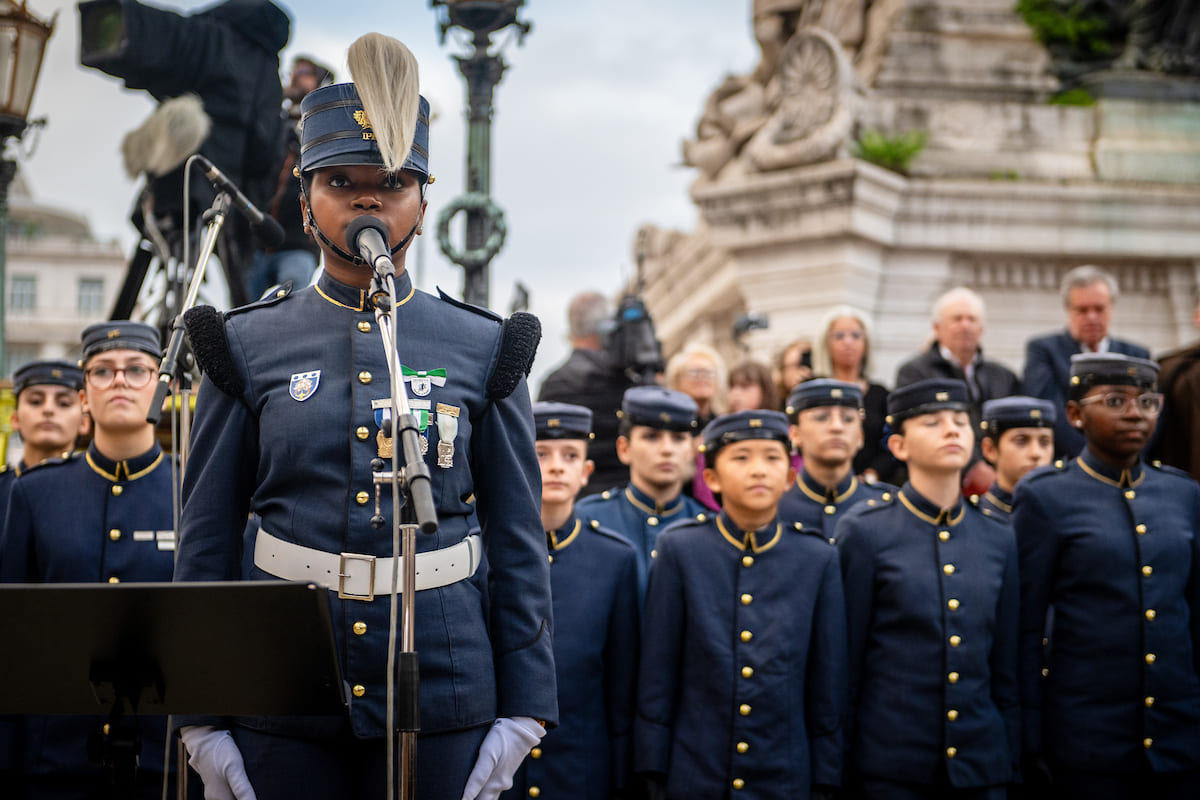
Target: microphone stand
(215,216)
(418,511)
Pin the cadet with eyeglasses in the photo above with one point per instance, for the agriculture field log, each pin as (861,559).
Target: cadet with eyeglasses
(1111,545)
(100,515)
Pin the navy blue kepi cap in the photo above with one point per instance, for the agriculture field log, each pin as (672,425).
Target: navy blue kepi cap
(121,335)
(1017,411)
(1110,369)
(823,392)
(335,132)
(656,407)
(926,397)
(53,372)
(562,421)
(741,425)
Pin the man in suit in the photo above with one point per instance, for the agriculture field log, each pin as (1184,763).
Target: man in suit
(1088,295)
(956,353)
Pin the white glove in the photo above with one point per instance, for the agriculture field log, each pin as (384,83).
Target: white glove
(502,751)
(215,756)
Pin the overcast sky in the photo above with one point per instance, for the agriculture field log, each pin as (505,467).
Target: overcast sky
(585,138)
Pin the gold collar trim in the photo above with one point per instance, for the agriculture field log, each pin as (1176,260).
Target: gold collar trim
(1124,482)
(362,298)
(557,544)
(750,543)
(997,502)
(823,499)
(943,518)
(122,472)
(661,512)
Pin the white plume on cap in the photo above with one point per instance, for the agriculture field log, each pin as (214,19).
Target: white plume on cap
(172,132)
(385,74)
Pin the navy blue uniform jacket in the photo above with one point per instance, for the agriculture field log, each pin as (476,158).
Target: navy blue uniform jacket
(593,577)
(88,519)
(819,509)
(931,609)
(304,467)
(996,503)
(633,514)
(1117,558)
(1048,375)
(743,666)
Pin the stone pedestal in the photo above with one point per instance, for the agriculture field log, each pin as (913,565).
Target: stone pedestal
(1009,193)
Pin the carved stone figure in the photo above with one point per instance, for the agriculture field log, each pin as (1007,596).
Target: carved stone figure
(1164,36)
(740,107)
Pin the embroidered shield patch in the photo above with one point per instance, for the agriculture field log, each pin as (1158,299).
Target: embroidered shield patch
(304,384)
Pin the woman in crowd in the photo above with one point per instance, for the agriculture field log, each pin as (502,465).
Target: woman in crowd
(843,352)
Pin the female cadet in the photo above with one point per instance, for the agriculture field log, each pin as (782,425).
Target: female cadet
(100,515)
(1111,694)
(286,426)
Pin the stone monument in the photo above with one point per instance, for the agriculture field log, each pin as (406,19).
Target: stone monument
(1004,188)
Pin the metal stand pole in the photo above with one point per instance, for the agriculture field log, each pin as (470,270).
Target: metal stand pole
(414,479)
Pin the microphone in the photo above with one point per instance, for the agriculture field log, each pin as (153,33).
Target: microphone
(368,236)
(267,227)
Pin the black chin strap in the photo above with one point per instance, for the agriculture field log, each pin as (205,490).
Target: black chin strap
(354,259)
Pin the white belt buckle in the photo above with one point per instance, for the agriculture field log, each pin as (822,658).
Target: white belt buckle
(342,575)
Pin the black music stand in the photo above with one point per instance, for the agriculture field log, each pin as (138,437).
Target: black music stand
(252,648)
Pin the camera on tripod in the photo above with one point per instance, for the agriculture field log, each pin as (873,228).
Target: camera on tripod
(631,343)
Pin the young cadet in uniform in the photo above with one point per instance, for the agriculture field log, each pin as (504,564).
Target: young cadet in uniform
(48,416)
(826,417)
(1112,546)
(593,580)
(741,688)
(931,608)
(654,440)
(288,421)
(101,515)
(1017,437)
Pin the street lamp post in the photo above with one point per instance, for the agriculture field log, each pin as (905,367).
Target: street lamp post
(485,229)
(22,45)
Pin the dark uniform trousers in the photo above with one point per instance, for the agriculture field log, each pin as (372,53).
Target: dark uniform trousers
(633,514)
(1116,555)
(87,519)
(294,444)
(818,509)
(931,609)
(741,688)
(593,579)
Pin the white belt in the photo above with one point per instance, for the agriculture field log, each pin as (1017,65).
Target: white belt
(355,576)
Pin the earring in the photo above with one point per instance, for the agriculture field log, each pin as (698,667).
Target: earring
(1078,423)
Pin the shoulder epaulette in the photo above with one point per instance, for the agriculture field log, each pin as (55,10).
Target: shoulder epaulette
(874,503)
(597,528)
(519,338)
(474,309)
(1158,466)
(65,458)
(281,292)
(1040,472)
(206,332)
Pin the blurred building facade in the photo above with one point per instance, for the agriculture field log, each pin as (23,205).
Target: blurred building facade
(59,279)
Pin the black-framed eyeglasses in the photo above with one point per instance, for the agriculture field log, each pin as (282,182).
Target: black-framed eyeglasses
(1148,403)
(136,376)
